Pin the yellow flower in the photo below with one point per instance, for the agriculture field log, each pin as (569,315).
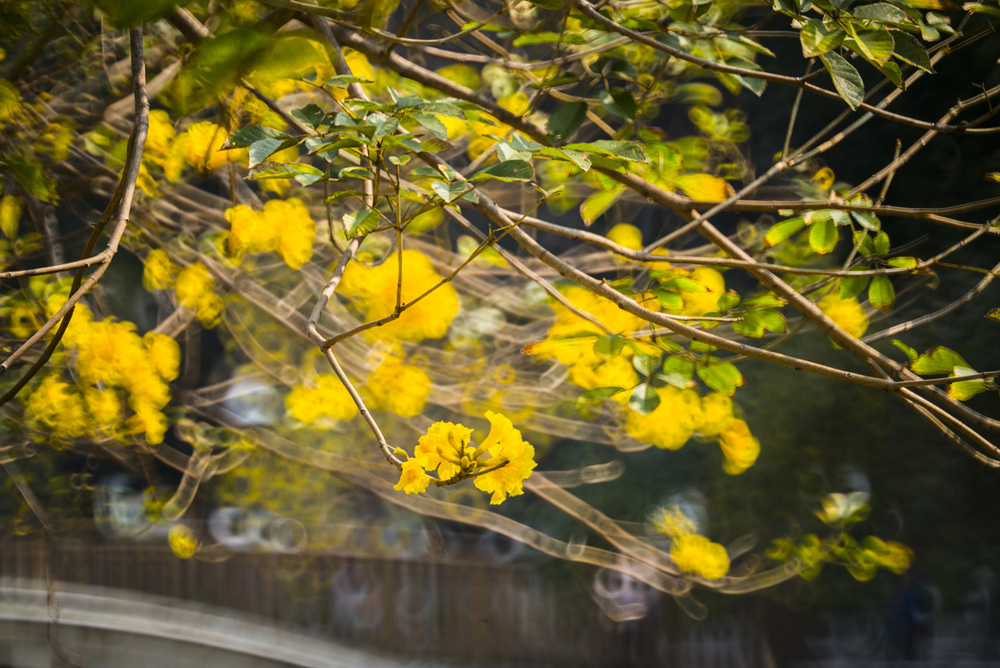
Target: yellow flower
(373,290)
(739,447)
(698,555)
(56,407)
(400,388)
(716,414)
(442,449)
(329,397)
(183,541)
(413,479)
(627,236)
(158,272)
(199,146)
(847,313)
(165,354)
(599,372)
(296,230)
(673,421)
(514,457)
(249,232)
(194,287)
(700,302)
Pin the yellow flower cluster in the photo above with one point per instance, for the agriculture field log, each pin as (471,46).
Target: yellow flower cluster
(681,413)
(198,147)
(847,313)
(373,291)
(193,285)
(284,226)
(325,396)
(397,387)
(692,553)
(499,465)
(114,367)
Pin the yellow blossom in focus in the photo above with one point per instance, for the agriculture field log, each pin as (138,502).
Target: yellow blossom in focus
(399,388)
(158,272)
(847,313)
(373,290)
(700,556)
(739,447)
(327,397)
(413,479)
(673,421)
(499,465)
(514,457)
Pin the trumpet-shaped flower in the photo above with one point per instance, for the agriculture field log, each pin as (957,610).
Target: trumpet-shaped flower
(499,465)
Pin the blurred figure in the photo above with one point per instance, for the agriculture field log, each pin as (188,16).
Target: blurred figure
(910,618)
(977,614)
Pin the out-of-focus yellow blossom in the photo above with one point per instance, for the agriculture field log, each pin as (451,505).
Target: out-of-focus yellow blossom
(325,396)
(194,287)
(739,447)
(104,405)
(673,421)
(297,230)
(58,408)
(691,552)
(627,236)
(413,479)
(373,290)
(360,67)
(847,313)
(599,372)
(159,138)
(700,302)
(165,354)
(198,146)
(22,314)
(10,214)
(716,414)
(399,388)
(182,541)
(284,226)
(700,556)
(499,465)
(158,272)
(56,141)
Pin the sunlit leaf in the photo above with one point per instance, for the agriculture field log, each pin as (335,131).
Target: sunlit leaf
(823,236)
(964,390)
(817,39)
(849,84)
(599,202)
(704,187)
(609,346)
(722,377)
(940,360)
(881,294)
(566,119)
(597,395)
(781,231)
(359,223)
(647,365)
(644,399)
(509,170)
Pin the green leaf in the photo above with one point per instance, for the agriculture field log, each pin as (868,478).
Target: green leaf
(881,293)
(609,346)
(386,127)
(909,50)
(311,116)
(432,123)
(620,149)
(993,314)
(851,286)
(449,191)
(902,262)
(355,173)
(647,365)
(940,360)
(722,377)
(596,395)
(869,221)
(245,137)
(549,38)
(547,4)
(670,301)
(753,324)
(883,12)
(849,84)
(823,236)
(598,202)
(875,45)
(360,223)
(781,231)
(964,390)
(30,174)
(507,152)
(566,119)
(910,352)
(510,171)
(302,172)
(619,102)
(892,73)
(263,149)
(345,80)
(127,13)
(882,244)
(817,39)
(644,399)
